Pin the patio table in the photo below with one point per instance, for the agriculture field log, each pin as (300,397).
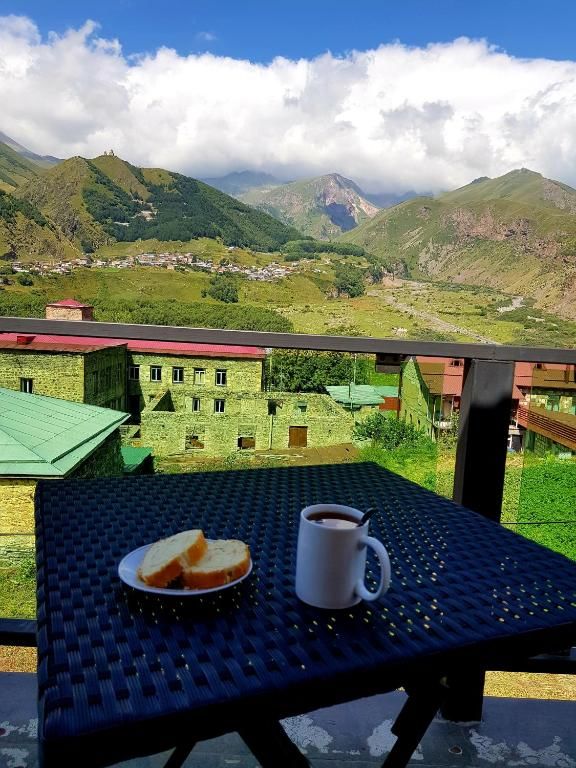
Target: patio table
(122,673)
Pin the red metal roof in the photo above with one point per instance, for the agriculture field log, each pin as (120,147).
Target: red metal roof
(67,303)
(35,346)
(443,378)
(183,349)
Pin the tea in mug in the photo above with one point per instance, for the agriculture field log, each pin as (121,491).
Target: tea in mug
(334,520)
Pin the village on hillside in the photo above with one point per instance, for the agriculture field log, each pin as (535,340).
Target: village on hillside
(165,260)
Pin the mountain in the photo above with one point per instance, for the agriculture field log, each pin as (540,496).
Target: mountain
(106,199)
(387,199)
(26,234)
(42,161)
(516,233)
(14,168)
(239,182)
(322,207)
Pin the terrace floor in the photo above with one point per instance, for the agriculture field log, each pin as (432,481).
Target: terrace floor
(514,733)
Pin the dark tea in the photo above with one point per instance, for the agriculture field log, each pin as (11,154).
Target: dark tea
(334,520)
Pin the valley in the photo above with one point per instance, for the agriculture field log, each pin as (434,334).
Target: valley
(492,262)
(394,308)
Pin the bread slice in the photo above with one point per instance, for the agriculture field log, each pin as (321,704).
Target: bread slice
(225,560)
(166,559)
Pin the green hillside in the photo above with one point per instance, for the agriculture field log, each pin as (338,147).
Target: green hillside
(14,168)
(516,233)
(26,234)
(105,200)
(322,207)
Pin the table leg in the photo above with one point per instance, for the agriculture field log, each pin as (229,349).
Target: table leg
(412,723)
(465,696)
(178,757)
(271,746)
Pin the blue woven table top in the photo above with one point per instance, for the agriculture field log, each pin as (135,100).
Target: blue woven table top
(114,659)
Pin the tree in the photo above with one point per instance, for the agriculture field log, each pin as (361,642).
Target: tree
(223,288)
(307,371)
(387,432)
(24,279)
(349,280)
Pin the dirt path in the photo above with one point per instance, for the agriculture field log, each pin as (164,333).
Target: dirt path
(435,322)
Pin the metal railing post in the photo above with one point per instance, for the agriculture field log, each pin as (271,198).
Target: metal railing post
(485,411)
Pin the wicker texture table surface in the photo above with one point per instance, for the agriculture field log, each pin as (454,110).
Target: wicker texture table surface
(111,657)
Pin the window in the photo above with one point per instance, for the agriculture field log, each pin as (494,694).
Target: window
(246,437)
(177,375)
(134,372)
(219,406)
(199,375)
(302,407)
(155,373)
(272,407)
(194,439)
(196,404)
(26,385)
(221,378)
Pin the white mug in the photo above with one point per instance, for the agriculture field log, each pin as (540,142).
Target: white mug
(331,561)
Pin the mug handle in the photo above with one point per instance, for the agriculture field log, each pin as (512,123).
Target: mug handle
(380,550)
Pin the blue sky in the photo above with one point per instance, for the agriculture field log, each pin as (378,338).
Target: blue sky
(259,30)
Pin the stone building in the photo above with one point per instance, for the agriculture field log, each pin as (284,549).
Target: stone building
(69,309)
(250,420)
(92,372)
(181,396)
(48,438)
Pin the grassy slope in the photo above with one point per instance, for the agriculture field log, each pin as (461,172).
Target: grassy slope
(505,233)
(301,298)
(102,200)
(14,168)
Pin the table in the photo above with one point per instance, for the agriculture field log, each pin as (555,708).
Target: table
(122,673)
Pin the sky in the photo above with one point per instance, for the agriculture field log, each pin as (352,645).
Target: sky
(412,96)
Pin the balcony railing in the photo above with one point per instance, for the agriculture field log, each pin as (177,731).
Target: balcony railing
(485,403)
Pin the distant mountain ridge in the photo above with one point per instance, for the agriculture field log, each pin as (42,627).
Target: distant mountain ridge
(106,199)
(516,232)
(43,161)
(321,207)
(239,182)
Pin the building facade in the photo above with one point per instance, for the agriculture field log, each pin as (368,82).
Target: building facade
(92,373)
(182,397)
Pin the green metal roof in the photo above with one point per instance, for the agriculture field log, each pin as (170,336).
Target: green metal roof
(134,457)
(48,437)
(361,394)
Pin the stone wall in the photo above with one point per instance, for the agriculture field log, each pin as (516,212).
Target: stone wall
(17,505)
(105,378)
(106,461)
(69,313)
(241,376)
(17,498)
(54,374)
(263,418)
(17,518)
(415,398)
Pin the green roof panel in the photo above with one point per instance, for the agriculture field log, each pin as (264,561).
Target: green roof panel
(48,437)
(361,394)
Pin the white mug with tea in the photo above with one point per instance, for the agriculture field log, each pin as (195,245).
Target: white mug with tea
(331,557)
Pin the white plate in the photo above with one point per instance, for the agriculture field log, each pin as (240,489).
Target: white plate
(128,572)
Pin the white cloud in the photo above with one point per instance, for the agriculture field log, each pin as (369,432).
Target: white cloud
(394,118)
(207,37)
